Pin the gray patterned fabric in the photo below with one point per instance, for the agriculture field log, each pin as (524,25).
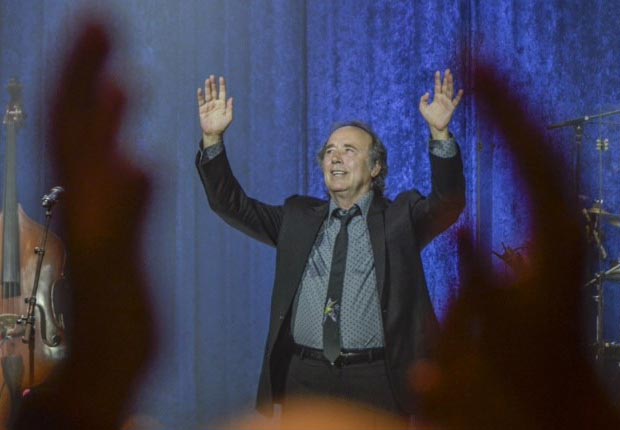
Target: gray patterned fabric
(361,325)
(210,152)
(443,148)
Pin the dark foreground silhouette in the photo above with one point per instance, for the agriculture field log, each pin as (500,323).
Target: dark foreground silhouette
(509,356)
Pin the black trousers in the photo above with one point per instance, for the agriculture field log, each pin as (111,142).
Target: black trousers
(366,384)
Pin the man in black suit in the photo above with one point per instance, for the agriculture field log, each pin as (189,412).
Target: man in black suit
(350,309)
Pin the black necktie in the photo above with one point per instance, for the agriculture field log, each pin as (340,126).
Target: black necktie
(331,313)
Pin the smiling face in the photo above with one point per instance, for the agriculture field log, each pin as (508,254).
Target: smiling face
(346,165)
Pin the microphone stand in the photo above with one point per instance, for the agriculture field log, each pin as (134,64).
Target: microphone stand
(578,124)
(582,120)
(29,319)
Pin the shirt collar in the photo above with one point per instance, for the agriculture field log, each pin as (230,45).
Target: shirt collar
(363,203)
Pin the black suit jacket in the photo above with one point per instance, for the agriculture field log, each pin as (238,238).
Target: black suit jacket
(398,230)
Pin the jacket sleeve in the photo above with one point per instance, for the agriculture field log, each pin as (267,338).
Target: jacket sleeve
(437,212)
(227,199)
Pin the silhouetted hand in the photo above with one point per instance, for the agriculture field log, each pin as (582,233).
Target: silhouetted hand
(510,357)
(102,216)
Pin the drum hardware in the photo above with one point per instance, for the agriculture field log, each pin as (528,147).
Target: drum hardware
(593,232)
(612,274)
(611,351)
(596,216)
(608,217)
(578,124)
(603,350)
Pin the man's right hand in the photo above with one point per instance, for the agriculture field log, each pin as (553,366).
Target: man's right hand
(216,113)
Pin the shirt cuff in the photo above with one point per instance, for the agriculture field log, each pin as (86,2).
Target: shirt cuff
(444,148)
(210,152)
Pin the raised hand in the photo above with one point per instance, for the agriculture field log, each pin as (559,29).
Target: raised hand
(438,113)
(512,356)
(216,113)
(92,388)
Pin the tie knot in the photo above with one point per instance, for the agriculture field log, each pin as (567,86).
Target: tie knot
(346,216)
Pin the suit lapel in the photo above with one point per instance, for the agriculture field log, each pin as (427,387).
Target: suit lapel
(307,234)
(376,229)
(305,230)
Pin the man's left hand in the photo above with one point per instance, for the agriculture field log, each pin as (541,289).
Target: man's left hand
(438,113)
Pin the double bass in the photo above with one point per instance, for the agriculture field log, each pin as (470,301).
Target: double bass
(27,354)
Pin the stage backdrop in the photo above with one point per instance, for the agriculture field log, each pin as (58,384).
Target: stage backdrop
(295,68)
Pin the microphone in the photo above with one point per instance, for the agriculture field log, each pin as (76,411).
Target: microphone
(53,197)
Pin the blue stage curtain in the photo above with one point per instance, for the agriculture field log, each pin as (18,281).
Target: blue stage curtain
(295,68)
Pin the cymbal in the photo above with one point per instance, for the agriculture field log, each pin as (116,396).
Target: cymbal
(612,219)
(612,273)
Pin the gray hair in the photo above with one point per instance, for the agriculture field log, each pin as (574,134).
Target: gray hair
(378,153)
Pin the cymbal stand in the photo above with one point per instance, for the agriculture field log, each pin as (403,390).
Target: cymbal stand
(599,299)
(593,228)
(578,124)
(598,280)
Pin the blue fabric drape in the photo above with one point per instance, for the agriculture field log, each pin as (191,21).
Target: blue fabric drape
(295,68)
